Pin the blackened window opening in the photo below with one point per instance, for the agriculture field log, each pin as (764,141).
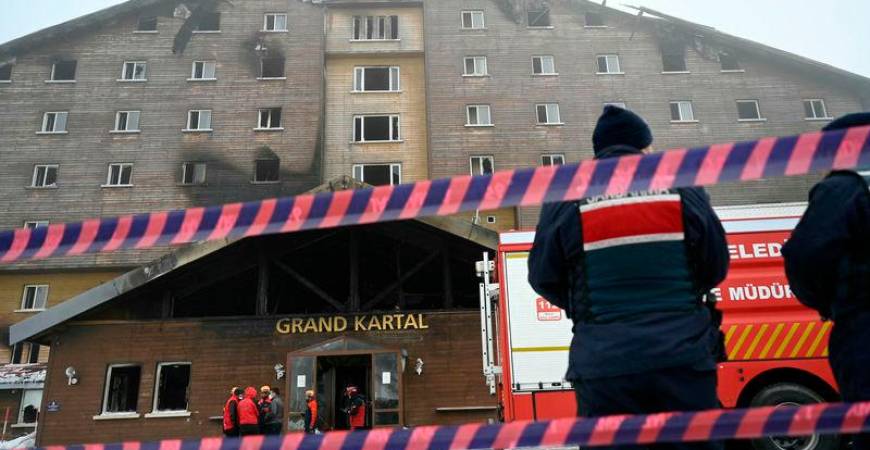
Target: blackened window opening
(674,59)
(594,20)
(272,68)
(540,18)
(266,170)
(172,387)
(209,22)
(377,128)
(64,70)
(729,61)
(5,72)
(123,389)
(147,24)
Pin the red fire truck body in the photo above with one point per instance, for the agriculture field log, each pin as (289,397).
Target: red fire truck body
(777,349)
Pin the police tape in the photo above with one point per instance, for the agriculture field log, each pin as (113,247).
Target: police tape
(714,425)
(703,166)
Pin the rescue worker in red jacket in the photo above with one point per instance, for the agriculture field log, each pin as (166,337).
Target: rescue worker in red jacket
(231,412)
(249,414)
(310,412)
(355,408)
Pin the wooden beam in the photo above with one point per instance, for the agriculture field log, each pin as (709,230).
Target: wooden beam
(262,283)
(353,299)
(311,286)
(389,289)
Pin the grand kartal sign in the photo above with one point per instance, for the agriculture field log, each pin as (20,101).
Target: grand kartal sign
(364,322)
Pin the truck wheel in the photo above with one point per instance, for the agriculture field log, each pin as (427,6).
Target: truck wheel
(791,394)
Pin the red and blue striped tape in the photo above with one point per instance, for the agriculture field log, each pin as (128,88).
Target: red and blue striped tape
(714,425)
(764,158)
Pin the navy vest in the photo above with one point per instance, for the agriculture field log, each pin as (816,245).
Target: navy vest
(634,257)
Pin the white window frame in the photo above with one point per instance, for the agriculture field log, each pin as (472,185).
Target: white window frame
(364,26)
(541,59)
(360,169)
(477,107)
(617,104)
(477,62)
(33,224)
(37,288)
(480,158)
(548,110)
(169,413)
(609,58)
(359,79)
(760,118)
(36,167)
(54,66)
(812,102)
(473,13)
(138,115)
(196,165)
(117,414)
(189,129)
(21,406)
(44,129)
(121,168)
(205,66)
(269,126)
(395,120)
(680,108)
(26,353)
(275,17)
(135,64)
(552,156)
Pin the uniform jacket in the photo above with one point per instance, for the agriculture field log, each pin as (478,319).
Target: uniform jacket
(311,415)
(249,414)
(231,413)
(634,301)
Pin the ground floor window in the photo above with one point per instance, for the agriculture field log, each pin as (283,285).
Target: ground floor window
(378,174)
(122,388)
(31,399)
(171,392)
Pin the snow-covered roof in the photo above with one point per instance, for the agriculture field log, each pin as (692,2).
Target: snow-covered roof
(22,376)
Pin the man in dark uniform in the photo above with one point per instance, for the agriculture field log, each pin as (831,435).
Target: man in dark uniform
(632,271)
(827,261)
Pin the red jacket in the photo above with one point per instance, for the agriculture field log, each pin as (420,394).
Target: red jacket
(231,413)
(249,414)
(357,412)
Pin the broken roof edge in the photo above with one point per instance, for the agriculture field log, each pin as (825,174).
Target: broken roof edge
(36,326)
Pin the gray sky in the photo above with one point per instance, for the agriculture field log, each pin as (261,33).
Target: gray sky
(832,31)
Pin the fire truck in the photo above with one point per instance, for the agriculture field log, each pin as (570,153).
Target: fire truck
(777,348)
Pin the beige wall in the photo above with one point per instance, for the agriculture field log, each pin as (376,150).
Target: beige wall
(339,30)
(409,103)
(61,287)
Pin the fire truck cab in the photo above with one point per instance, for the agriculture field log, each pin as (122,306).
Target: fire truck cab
(777,348)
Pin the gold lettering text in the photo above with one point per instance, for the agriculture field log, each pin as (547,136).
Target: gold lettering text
(310,326)
(296,326)
(411,322)
(387,322)
(340,324)
(325,324)
(283,326)
(423,325)
(358,324)
(374,323)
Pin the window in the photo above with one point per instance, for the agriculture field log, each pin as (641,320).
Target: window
(543,65)
(64,71)
(472,20)
(275,22)
(203,70)
(594,20)
(34,224)
(674,59)
(192,173)
(121,394)
(608,64)
(266,170)
(729,63)
(478,116)
(616,104)
(133,71)
(173,380)
(475,66)
(548,114)
(120,174)
(269,119)
(815,109)
(35,297)
(44,175)
(31,399)
(375,28)
(367,79)
(272,68)
(682,111)
(25,353)
(54,122)
(209,22)
(539,18)
(747,110)
(127,121)
(482,165)
(378,174)
(199,120)
(147,24)
(5,73)
(376,128)
(552,160)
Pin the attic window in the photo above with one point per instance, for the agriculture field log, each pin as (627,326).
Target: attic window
(594,20)
(674,59)
(539,18)
(729,62)
(147,24)
(272,68)
(209,22)
(63,71)
(5,72)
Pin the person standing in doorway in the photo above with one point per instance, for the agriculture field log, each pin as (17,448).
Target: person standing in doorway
(231,412)
(355,408)
(311,412)
(249,415)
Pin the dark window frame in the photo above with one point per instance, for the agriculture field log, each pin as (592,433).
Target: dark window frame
(131,402)
(267,174)
(539,18)
(160,403)
(147,24)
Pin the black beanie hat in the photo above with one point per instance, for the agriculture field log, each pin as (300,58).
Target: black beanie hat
(619,126)
(849,120)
